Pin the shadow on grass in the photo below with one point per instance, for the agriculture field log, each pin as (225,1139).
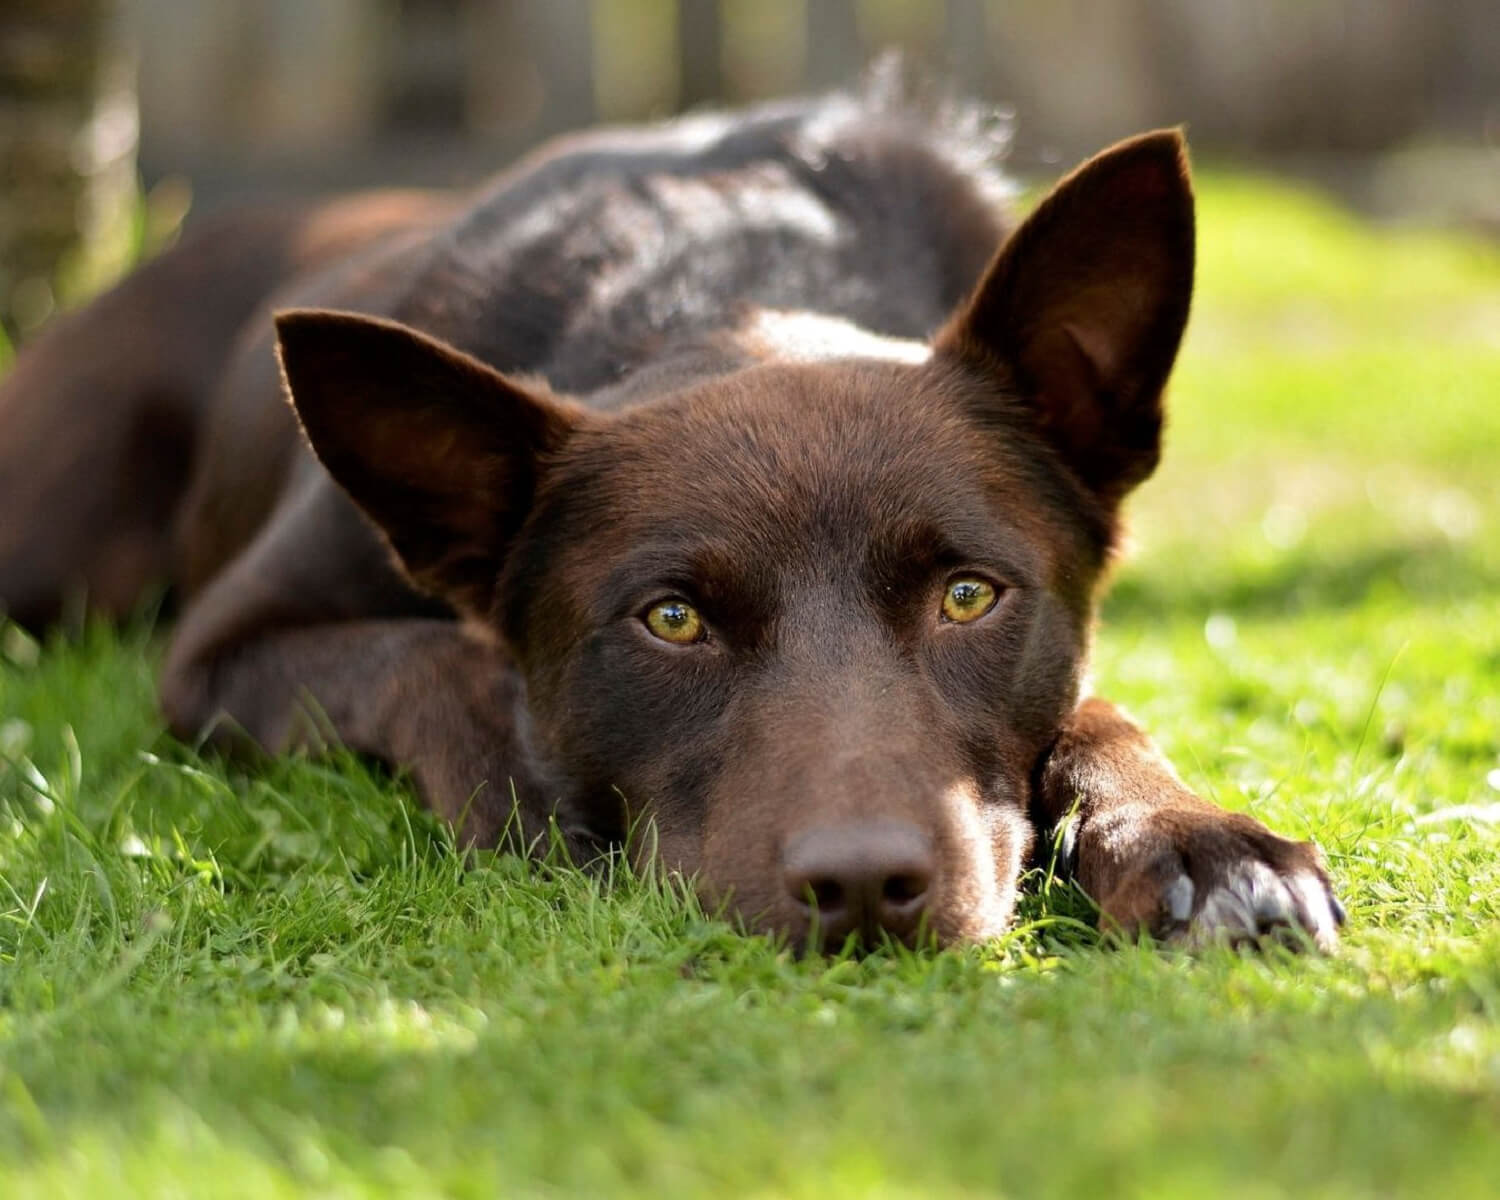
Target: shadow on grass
(1306,581)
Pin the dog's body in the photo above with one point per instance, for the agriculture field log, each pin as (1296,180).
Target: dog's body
(799,577)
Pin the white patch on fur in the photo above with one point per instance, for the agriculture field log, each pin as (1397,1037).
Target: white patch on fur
(1309,889)
(1067,845)
(680,210)
(1255,900)
(1226,911)
(1179,898)
(1269,900)
(762,199)
(800,336)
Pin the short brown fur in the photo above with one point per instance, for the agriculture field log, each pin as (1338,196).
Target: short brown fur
(612,382)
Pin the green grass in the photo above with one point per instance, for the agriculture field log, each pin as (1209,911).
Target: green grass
(282,981)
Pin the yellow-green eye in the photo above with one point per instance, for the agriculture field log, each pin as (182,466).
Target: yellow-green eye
(675,621)
(968,599)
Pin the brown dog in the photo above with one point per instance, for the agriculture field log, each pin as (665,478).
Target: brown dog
(778,538)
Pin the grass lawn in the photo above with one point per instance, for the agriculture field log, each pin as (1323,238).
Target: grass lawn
(224,983)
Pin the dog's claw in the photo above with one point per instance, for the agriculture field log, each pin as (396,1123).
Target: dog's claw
(1067,850)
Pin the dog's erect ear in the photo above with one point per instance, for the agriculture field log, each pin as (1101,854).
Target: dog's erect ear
(440,451)
(1081,311)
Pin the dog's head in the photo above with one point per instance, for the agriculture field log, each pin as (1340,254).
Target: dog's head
(816,622)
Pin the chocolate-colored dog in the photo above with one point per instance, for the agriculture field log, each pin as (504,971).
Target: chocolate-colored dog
(749,484)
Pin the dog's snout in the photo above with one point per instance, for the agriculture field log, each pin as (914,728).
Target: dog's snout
(864,879)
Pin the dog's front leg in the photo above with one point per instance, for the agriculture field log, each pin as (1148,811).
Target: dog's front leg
(1155,856)
(422,695)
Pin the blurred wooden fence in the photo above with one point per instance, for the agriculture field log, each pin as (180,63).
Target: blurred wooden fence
(245,97)
(318,93)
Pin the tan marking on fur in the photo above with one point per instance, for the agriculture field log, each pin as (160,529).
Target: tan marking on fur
(779,335)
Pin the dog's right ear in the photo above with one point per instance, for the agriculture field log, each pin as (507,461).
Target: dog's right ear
(441,452)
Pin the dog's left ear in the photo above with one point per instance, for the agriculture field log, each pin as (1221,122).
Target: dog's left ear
(1081,311)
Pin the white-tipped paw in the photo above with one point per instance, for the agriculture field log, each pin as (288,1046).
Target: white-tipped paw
(1253,901)
(1199,877)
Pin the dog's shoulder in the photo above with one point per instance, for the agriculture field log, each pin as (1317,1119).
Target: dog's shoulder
(598,252)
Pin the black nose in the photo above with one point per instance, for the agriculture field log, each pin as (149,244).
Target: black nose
(864,879)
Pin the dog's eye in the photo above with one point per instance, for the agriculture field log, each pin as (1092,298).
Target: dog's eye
(968,599)
(675,621)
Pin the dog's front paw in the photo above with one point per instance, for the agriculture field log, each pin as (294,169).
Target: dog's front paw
(1196,875)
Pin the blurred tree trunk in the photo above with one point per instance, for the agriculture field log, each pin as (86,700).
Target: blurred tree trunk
(67,151)
(427,84)
(700,36)
(835,53)
(559,34)
(968,45)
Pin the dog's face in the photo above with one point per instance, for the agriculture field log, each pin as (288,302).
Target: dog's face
(808,601)
(811,625)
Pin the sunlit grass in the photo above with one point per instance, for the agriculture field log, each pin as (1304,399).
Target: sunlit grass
(282,980)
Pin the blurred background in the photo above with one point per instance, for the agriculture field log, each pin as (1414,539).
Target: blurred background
(115,115)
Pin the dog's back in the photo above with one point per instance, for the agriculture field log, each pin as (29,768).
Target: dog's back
(619,246)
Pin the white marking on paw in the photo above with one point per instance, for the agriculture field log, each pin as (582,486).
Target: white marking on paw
(1255,900)
(1317,905)
(1225,911)
(1270,901)
(1179,898)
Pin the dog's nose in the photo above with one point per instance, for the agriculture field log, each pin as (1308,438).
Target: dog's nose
(861,879)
